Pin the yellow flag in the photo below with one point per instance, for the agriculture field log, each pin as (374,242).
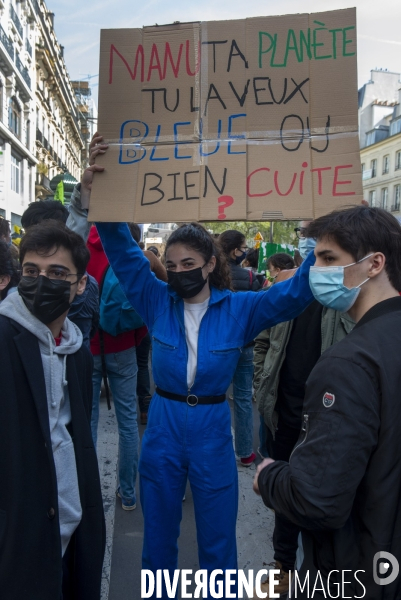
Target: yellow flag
(59,193)
(258,238)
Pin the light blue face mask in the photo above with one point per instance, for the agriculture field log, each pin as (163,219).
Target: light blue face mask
(305,245)
(327,285)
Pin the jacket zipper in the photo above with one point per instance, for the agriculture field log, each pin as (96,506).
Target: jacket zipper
(305,428)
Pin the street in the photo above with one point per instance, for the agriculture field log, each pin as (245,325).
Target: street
(122,565)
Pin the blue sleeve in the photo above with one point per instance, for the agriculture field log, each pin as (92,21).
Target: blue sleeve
(147,294)
(282,302)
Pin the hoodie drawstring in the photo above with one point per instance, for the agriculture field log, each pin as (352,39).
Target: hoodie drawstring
(51,342)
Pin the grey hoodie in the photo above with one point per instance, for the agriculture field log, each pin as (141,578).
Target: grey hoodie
(54,360)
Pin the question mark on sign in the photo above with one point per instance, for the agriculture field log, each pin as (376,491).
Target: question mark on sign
(224,202)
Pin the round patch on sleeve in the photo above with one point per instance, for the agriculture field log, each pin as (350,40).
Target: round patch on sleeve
(328,399)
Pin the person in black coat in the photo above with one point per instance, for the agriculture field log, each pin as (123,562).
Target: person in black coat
(52,532)
(342,482)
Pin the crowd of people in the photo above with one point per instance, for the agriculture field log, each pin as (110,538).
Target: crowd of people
(314,342)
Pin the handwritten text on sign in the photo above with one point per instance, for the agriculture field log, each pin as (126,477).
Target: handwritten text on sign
(259,111)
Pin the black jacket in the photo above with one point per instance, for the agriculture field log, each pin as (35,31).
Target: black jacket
(242,279)
(30,548)
(343,482)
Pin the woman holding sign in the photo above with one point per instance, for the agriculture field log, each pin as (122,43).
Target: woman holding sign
(198,328)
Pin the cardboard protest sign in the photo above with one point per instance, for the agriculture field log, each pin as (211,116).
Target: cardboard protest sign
(252,119)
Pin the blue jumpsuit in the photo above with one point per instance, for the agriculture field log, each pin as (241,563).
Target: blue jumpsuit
(193,442)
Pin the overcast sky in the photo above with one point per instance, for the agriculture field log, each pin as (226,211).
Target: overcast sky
(78,25)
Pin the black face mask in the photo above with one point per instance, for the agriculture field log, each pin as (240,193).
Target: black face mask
(239,259)
(187,284)
(45,298)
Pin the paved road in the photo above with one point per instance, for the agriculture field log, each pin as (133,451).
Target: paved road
(122,568)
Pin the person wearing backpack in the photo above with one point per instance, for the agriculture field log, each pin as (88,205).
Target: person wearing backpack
(234,246)
(114,354)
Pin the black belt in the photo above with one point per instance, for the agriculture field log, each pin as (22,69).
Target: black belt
(192,399)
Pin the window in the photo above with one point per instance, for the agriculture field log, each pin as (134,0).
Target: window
(15,174)
(370,138)
(362,167)
(28,135)
(14,117)
(372,198)
(397,197)
(373,166)
(395,127)
(398,160)
(386,164)
(384,198)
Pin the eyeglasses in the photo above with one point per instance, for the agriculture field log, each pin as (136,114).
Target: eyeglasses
(56,274)
(300,231)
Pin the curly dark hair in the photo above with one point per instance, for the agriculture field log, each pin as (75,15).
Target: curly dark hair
(42,210)
(8,266)
(195,237)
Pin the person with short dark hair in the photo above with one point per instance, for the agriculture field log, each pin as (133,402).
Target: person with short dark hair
(51,517)
(9,271)
(154,250)
(341,485)
(84,310)
(41,210)
(5,230)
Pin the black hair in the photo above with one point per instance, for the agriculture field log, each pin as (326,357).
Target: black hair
(5,229)
(154,250)
(50,235)
(8,266)
(252,256)
(194,236)
(141,245)
(280,260)
(230,240)
(43,210)
(135,231)
(360,230)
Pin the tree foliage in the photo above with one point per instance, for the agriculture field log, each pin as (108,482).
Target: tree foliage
(283,231)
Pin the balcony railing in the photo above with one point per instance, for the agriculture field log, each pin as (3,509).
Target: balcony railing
(395,207)
(28,47)
(16,21)
(7,43)
(24,71)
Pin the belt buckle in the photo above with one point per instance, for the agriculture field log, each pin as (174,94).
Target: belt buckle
(192,396)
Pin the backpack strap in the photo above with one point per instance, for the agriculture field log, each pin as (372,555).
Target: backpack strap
(250,278)
(101,340)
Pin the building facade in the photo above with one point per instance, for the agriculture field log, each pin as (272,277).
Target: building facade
(40,129)
(59,140)
(17,113)
(380,140)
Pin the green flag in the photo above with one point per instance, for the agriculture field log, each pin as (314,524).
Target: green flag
(59,194)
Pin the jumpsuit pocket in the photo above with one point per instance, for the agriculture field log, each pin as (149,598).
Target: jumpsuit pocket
(219,465)
(163,345)
(153,453)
